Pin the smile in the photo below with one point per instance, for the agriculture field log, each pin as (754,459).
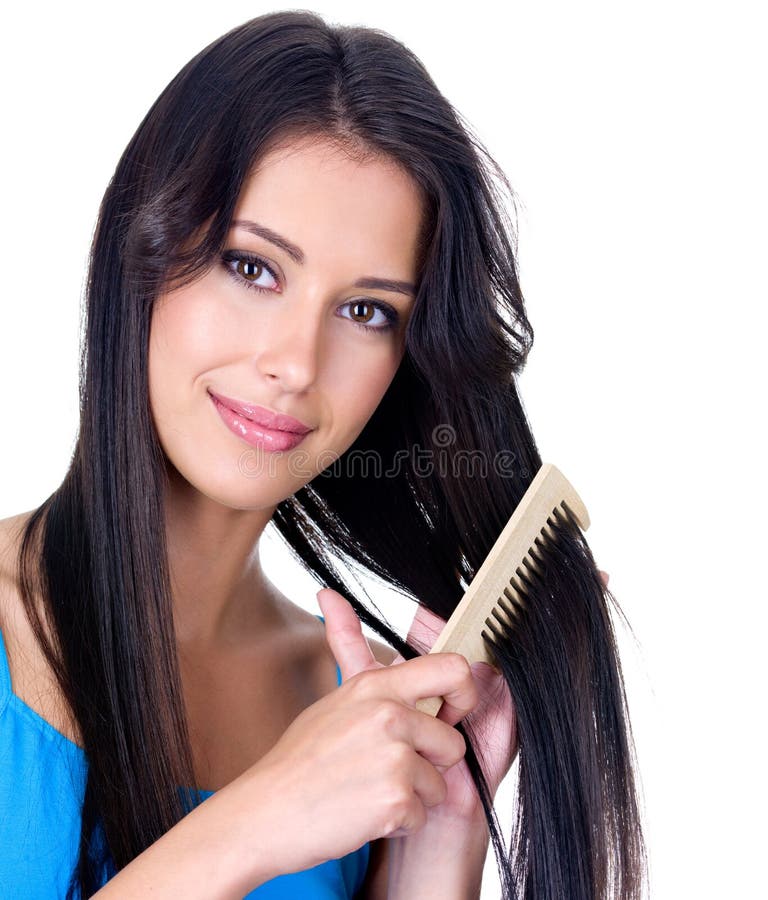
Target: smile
(254,432)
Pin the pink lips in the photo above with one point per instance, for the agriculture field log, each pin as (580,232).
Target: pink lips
(259,426)
(259,415)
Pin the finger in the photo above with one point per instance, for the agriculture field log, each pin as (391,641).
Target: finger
(424,631)
(428,782)
(434,675)
(603,576)
(430,790)
(442,747)
(491,688)
(484,679)
(344,634)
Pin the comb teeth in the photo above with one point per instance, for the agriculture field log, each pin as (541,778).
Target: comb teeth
(565,516)
(534,568)
(569,516)
(499,594)
(511,614)
(534,563)
(556,521)
(539,545)
(531,568)
(495,635)
(515,594)
(513,598)
(522,577)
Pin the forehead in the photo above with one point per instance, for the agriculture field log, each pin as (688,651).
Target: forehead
(316,193)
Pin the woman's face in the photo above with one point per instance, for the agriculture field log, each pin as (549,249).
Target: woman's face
(287,328)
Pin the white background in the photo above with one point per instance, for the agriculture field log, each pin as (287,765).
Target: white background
(634,137)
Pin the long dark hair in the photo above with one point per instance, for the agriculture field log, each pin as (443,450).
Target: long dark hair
(95,550)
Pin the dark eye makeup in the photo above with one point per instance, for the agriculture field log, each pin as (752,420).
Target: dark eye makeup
(229,257)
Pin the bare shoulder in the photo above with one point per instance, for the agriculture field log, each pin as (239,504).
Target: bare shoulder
(324,660)
(11,529)
(300,616)
(383,653)
(32,680)
(14,621)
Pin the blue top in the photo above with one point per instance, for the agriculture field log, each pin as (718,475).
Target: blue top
(42,786)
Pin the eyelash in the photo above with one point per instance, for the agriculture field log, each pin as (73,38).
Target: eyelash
(230,256)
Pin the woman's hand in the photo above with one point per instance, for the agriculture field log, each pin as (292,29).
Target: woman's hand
(362,757)
(492,719)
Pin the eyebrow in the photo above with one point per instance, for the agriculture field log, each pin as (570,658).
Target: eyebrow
(297,255)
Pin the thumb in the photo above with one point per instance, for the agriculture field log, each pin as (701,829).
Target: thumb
(344,634)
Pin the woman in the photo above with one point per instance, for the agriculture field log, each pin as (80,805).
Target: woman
(301,281)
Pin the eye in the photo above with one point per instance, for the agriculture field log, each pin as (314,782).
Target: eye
(247,268)
(388,315)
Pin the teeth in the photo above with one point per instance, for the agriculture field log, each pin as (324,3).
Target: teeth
(509,606)
(506,620)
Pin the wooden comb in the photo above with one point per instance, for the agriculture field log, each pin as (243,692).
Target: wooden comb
(499,587)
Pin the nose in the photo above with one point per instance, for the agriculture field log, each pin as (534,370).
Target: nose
(292,346)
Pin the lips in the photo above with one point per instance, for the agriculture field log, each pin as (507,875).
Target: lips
(261,416)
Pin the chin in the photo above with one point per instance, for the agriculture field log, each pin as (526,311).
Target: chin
(244,486)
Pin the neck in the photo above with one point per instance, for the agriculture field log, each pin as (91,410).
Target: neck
(220,593)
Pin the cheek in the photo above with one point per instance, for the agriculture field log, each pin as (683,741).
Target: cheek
(357,382)
(186,339)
